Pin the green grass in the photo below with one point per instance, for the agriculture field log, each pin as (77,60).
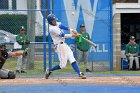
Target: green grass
(38,69)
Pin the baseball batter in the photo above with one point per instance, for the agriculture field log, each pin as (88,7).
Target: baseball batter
(63,50)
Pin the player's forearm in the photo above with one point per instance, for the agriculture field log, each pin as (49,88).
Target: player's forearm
(135,54)
(71,35)
(76,35)
(14,54)
(68,36)
(130,54)
(73,31)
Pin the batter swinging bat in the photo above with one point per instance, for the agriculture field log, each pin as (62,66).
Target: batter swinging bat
(90,42)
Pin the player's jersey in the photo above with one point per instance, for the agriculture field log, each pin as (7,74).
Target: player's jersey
(55,32)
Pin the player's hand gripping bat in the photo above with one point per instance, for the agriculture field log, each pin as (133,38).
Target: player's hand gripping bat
(90,42)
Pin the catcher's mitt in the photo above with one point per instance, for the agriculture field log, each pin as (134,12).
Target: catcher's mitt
(25,52)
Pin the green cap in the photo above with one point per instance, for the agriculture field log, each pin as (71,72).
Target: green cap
(132,38)
(82,25)
(22,28)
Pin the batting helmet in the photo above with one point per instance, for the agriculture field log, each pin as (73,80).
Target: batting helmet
(51,18)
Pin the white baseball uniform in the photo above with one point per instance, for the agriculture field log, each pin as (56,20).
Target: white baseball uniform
(63,50)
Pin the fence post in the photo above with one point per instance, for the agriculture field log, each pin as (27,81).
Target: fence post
(31,32)
(111,38)
(49,37)
(44,32)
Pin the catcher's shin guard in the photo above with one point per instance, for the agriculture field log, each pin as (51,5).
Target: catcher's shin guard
(6,74)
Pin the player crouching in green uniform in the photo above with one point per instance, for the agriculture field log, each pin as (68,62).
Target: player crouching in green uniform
(132,50)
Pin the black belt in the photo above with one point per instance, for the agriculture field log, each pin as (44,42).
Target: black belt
(59,43)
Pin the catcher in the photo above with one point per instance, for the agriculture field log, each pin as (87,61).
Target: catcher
(5,73)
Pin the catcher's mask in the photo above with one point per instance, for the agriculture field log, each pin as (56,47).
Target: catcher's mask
(3,46)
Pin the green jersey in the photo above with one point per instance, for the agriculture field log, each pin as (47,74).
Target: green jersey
(132,48)
(23,40)
(83,45)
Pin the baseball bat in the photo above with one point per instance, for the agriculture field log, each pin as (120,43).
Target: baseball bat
(90,42)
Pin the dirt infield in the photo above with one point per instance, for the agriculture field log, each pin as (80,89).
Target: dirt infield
(111,80)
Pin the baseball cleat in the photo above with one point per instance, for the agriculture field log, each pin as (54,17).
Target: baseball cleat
(17,71)
(22,71)
(48,73)
(87,70)
(82,76)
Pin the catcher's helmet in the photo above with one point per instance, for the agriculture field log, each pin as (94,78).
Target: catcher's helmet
(2,46)
(51,18)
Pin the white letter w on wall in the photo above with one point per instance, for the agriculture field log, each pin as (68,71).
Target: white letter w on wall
(89,13)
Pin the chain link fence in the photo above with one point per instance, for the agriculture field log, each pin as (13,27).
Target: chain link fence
(29,13)
(13,15)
